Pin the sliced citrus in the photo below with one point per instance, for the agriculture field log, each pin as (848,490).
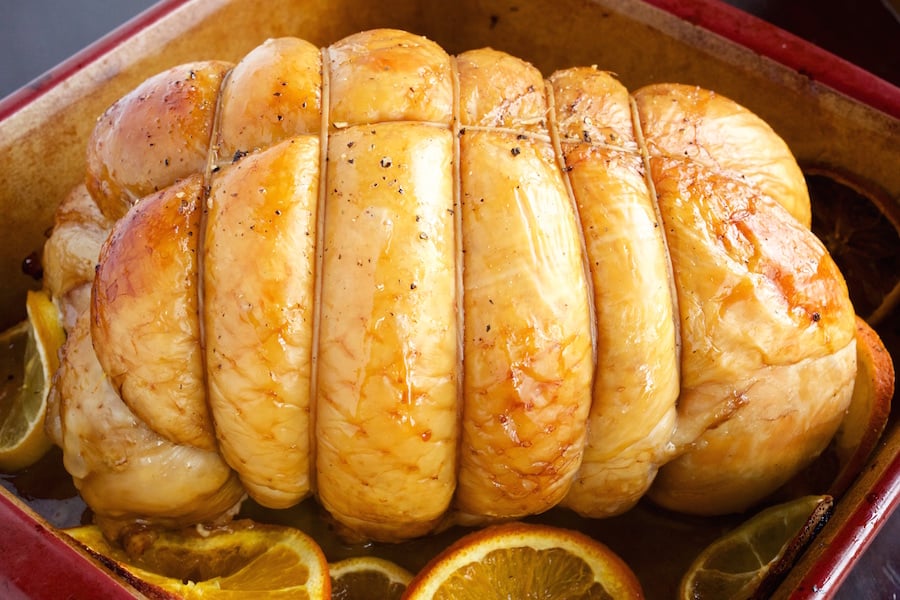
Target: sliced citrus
(519,560)
(748,561)
(367,578)
(24,407)
(246,559)
(861,229)
(870,407)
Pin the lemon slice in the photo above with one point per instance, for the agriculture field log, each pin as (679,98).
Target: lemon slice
(368,578)
(244,560)
(748,561)
(23,408)
(518,560)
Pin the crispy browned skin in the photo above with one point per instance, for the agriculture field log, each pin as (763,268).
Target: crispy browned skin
(428,289)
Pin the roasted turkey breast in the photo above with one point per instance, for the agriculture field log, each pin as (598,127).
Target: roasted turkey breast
(429,289)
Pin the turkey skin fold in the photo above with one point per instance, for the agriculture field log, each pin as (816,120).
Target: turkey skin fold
(429,289)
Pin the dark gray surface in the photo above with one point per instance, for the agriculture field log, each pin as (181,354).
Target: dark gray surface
(35,35)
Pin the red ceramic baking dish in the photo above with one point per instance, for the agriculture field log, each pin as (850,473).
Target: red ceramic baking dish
(840,121)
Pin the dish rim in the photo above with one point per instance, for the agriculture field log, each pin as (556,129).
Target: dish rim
(859,528)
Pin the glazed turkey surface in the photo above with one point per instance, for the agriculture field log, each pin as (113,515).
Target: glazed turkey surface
(431,289)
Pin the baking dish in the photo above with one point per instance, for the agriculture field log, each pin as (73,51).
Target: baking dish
(834,116)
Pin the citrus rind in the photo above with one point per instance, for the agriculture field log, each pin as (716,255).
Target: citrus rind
(368,578)
(748,561)
(525,560)
(23,410)
(244,559)
(869,410)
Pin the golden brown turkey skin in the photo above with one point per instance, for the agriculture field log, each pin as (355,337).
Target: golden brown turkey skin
(388,364)
(259,293)
(145,314)
(125,471)
(274,93)
(635,386)
(386,421)
(428,288)
(527,335)
(711,130)
(765,366)
(169,122)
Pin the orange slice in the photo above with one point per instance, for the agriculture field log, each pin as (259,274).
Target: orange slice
(518,560)
(870,407)
(244,560)
(368,578)
(861,229)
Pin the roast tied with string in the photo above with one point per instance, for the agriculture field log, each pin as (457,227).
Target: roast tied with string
(429,289)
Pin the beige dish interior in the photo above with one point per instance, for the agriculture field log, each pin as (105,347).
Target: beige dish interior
(42,145)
